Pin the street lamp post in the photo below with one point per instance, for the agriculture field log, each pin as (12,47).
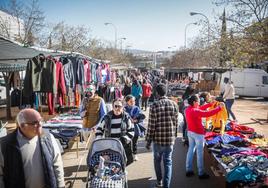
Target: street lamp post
(115,33)
(171,53)
(196,13)
(127,49)
(185,30)
(121,41)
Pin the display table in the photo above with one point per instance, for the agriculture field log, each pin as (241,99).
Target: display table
(66,127)
(241,154)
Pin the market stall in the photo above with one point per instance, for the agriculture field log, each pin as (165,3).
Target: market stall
(242,155)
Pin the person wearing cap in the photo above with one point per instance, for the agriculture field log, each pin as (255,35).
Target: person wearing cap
(30,157)
(92,109)
(117,124)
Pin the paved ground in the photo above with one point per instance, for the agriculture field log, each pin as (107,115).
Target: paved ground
(141,173)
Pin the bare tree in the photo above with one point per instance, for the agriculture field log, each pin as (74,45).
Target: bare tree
(250,28)
(4,27)
(29,18)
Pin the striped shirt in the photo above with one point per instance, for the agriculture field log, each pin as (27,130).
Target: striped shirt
(163,122)
(116,122)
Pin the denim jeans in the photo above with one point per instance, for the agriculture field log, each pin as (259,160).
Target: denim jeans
(138,101)
(164,152)
(229,103)
(196,142)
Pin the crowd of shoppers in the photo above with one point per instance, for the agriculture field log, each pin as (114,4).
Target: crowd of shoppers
(36,156)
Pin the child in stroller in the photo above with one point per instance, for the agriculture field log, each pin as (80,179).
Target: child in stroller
(106,164)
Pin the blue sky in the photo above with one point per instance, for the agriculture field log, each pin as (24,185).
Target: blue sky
(146,24)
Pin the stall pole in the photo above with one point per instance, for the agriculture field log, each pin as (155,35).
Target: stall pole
(7,77)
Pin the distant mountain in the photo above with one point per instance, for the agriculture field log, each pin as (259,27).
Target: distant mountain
(136,51)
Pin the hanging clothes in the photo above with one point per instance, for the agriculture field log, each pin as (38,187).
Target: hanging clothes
(15,80)
(93,68)
(16,97)
(60,82)
(87,71)
(78,70)
(40,75)
(68,73)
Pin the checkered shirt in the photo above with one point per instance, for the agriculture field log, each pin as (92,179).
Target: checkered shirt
(163,122)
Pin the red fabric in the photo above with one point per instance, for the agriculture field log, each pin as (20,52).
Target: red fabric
(50,103)
(146,90)
(193,117)
(253,152)
(241,128)
(233,133)
(210,135)
(87,72)
(60,82)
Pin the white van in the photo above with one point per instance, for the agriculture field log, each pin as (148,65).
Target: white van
(248,82)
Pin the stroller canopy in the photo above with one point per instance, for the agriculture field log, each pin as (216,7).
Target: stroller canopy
(108,144)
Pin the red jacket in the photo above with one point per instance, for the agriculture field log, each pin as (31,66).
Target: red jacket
(146,90)
(193,117)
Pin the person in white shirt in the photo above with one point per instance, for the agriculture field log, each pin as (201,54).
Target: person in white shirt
(229,97)
(30,157)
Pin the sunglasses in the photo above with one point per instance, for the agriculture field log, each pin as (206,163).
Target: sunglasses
(35,123)
(118,106)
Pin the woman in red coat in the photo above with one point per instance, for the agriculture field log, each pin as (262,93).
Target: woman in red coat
(146,93)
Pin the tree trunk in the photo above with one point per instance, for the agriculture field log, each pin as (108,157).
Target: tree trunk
(8,101)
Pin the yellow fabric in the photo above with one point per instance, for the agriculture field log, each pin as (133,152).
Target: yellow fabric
(218,120)
(260,141)
(92,112)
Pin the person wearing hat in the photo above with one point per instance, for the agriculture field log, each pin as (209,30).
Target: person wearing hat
(92,109)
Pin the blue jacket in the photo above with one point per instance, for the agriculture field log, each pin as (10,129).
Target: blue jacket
(135,113)
(136,90)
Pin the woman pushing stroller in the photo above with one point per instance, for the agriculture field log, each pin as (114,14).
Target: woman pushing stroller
(117,124)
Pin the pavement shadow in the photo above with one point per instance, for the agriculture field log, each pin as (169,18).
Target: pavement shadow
(178,170)
(141,147)
(141,183)
(257,99)
(70,170)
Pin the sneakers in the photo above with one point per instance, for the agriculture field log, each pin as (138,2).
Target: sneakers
(204,176)
(136,158)
(189,174)
(158,184)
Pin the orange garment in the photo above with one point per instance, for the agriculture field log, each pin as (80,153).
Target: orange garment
(77,97)
(218,120)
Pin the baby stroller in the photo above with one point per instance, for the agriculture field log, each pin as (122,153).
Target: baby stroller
(106,164)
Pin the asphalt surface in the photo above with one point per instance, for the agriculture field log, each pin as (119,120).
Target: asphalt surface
(141,173)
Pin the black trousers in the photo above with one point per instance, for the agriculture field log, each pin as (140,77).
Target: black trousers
(145,102)
(134,144)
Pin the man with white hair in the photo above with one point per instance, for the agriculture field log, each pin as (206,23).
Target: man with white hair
(30,157)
